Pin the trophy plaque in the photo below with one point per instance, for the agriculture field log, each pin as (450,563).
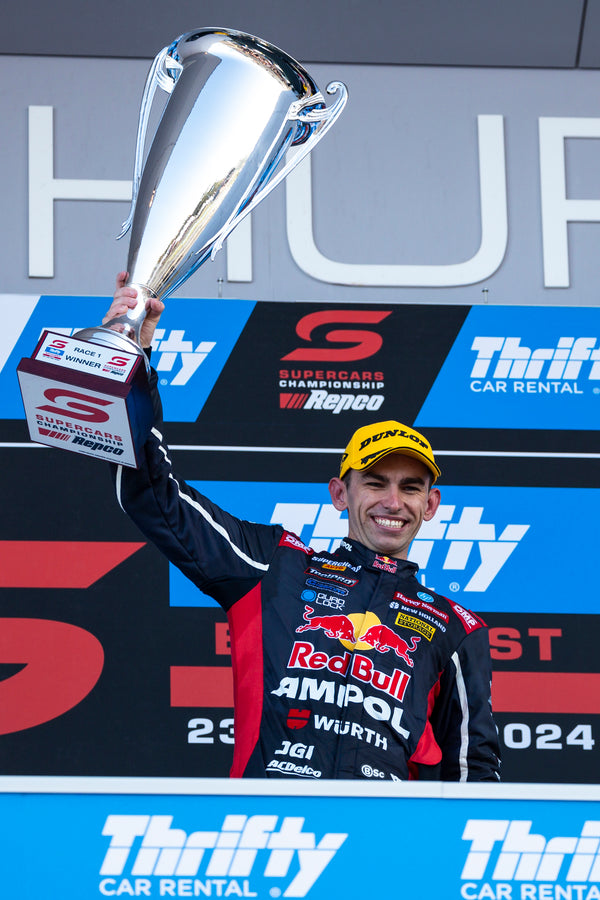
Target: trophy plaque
(236,106)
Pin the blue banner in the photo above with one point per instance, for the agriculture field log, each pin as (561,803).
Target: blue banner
(520,367)
(77,846)
(190,347)
(487,547)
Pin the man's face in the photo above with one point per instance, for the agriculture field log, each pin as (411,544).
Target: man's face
(387,503)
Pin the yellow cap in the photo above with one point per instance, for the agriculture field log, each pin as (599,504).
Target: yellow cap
(372,442)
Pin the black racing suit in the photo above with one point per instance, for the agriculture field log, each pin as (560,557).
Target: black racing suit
(344,665)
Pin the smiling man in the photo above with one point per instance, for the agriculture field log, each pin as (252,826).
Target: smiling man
(344,664)
(386,477)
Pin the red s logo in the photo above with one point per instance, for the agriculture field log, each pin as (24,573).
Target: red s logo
(57,343)
(366,343)
(76,410)
(62,663)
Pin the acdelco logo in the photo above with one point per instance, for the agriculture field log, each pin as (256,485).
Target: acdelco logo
(363,342)
(86,411)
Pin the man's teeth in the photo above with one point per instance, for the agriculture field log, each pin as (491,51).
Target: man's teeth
(389,523)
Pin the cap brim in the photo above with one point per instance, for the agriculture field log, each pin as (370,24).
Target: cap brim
(405,451)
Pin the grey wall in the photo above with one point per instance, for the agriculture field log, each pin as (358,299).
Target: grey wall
(395,183)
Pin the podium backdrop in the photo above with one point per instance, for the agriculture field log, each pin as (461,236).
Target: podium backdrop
(113,665)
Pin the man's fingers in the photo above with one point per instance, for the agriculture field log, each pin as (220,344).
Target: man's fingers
(121,279)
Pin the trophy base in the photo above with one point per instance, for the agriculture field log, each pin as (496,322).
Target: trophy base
(85,397)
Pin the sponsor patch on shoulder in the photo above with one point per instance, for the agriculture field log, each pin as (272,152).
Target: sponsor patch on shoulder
(470,621)
(290,540)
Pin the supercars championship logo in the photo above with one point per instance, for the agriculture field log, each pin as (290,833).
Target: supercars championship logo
(322,375)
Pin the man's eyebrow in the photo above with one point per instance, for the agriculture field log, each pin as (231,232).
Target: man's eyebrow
(408,479)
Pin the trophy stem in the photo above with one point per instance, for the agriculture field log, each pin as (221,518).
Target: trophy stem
(123,332)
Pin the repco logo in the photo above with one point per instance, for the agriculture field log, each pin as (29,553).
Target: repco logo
(86,411)
(363,343)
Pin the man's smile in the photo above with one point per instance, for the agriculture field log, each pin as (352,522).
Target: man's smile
(389,523)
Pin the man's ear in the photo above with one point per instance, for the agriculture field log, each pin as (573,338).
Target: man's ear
(339,498)
(433,501)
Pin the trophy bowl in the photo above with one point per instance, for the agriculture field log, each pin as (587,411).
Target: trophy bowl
(237,104)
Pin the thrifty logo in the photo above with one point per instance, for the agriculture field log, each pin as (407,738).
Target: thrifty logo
(245,846)
(505,850)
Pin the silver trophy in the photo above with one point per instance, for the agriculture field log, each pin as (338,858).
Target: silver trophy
(236,105)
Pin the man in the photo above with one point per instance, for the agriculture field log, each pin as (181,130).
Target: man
(344,665)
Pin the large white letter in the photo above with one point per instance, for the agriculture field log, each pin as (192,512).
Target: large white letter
(44,189)
(494,229)
(557,211)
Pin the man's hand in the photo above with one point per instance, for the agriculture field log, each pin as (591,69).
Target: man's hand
(124,299)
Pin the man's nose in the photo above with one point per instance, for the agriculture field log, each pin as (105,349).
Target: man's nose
(393,498)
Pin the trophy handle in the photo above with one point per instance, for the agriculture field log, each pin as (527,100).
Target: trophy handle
(163,73)
(316,119)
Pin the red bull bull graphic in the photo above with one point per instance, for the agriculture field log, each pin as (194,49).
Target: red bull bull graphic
(360,631)
(382,639)
(338,626)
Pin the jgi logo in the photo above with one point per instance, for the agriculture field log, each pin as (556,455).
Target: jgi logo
(468,543)
(504,365)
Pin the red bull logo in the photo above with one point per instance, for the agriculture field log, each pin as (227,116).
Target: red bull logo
(360,631)
(357,666)
(382,639)
(386,564)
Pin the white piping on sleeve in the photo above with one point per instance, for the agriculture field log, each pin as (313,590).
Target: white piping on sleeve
(464,725)
(263,567)
(118,480)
